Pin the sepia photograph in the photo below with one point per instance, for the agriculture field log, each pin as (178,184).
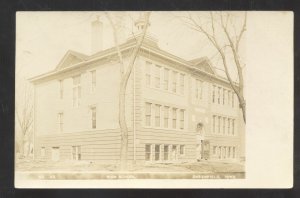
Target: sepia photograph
(127,95)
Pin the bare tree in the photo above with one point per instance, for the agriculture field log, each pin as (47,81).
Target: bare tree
(222,27)
(125,72)
(24,111)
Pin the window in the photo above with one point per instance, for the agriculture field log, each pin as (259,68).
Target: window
(76,91)
(229,97)
(148,114)
(174,112)
(43,152)
(232,126)
(198,89)
(214,124)
(232,99)
(174,152)
(148,152)
(61,122)
(181,119)
(174,81)
(93,85)
(148,74)
(224,152)
(166,79)
(61,89)
(224,125)
(157,76)
(223,96)
(233,152)
(181,81)
(219,94)
(228,152)
(157,115)
(76,153)
(157,152)
(181,150)
(219,124)
(166,152)
(228,130)
(166,116)
(213,94)
(94,117)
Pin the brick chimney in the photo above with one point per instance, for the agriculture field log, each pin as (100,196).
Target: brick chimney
(96,36)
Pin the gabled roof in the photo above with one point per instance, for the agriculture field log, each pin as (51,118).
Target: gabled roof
(71,58)
(203,64)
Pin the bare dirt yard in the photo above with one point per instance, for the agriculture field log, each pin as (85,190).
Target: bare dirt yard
(84,166)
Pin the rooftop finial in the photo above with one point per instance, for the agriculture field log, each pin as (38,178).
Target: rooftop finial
(140,23)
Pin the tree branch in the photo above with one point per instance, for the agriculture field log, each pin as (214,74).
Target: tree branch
(116,43)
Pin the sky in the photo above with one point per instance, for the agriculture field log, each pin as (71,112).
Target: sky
(43,38)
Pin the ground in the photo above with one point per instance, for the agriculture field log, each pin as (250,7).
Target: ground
(84,166)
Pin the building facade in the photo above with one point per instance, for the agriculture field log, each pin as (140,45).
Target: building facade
(176,110)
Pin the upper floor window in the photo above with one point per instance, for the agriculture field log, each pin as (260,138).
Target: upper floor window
(214,94)
(198,89)
(157,115)
(174,81)
(61,89)
(94,117)
(225,96)
(219,124)
(224,125)
(229,97)
(76,91)
(181,81)
(219,95)
(174,114)
(181,119)
(214,124)
(166,79)
(232,99)
(148,114)
(233,126)
(166,116)
(228,126)
(157,76)
(148,74)
(61,121)
(93,85)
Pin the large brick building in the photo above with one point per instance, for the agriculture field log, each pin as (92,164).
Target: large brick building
(176,110)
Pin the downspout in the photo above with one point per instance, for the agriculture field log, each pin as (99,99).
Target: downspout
(134,135)
(34,121)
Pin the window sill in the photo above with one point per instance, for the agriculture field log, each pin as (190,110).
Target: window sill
(167,129)
(165,91)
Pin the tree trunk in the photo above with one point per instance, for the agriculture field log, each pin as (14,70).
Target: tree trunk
(122,93)
(123,126)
